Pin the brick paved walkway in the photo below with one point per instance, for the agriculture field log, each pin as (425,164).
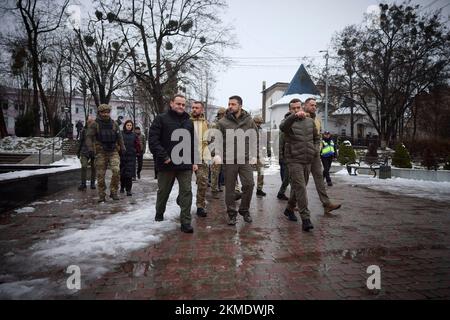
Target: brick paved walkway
(271,258)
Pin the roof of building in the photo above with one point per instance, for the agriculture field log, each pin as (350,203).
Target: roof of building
(280,85)
(284,101)
(301,83)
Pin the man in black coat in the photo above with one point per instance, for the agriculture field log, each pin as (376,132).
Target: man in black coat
(178,164)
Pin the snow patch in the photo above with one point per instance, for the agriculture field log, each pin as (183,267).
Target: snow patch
(438,191)
(25,210)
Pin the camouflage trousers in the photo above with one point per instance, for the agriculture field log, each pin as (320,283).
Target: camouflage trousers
(102,160)
(215,172)
(260,177)
(202,184)
(84,166)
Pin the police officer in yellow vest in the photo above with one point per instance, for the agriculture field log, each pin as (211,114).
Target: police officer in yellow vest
(327,153)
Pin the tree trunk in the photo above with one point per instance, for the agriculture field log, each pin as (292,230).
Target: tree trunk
(3,129)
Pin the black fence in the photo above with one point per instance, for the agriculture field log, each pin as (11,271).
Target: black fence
(359,142)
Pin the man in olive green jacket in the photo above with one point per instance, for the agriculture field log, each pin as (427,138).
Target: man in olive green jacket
(241,163)
(301,145)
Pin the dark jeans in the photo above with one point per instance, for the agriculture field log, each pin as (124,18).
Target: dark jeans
(326,162)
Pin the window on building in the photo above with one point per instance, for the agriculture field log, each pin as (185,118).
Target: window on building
(343,132)
(77,110)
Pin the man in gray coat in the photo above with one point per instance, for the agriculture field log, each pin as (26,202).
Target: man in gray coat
(241,163)
(301,145)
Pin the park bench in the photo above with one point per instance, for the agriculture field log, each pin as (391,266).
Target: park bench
(369,163)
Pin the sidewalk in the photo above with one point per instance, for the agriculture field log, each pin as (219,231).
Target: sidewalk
(271,258)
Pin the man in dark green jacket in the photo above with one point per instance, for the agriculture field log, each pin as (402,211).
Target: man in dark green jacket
(238,157)
(301,146)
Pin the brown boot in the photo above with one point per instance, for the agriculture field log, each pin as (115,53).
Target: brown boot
(330,207)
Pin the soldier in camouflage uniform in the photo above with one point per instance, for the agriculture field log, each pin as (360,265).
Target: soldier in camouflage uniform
(201,130)
(105,141)
(216,167)
(85,159)
(260,162)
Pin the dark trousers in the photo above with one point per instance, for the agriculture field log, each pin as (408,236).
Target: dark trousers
(140,160)
(285,176)
(283,168)
(126,183)
(166,180)
(221,177)
(326,162)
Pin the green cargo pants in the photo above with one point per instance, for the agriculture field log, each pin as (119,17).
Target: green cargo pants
(166,179)
(299,174)
(245,172)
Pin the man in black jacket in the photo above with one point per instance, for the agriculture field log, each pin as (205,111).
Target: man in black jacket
(169,166)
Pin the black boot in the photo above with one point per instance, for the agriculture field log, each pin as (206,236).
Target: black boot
(260,193)
(129,194)
(201,212)
(307,225)
(159,217)
(122,190)
(82,187)
(290,214)
(93,186)
(282,196)
(187,228)
(114,196)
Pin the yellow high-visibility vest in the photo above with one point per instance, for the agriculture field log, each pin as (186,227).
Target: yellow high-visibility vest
(327,149)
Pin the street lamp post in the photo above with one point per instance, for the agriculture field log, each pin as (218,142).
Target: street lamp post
(326,89)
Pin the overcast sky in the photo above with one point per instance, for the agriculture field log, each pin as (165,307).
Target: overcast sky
(271,34)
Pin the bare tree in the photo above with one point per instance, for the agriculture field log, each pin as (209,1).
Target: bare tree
(40,18)
(394,61)
(168,39)
(100,57)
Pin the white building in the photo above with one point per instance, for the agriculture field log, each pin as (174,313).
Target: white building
(14,102)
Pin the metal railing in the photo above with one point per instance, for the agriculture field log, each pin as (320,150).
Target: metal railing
(60,135)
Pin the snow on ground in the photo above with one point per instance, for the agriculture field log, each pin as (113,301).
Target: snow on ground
(439,191)
(96,250)
(25,210)
(15,144)
(68,163)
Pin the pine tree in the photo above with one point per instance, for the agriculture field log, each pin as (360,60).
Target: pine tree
(401,158)
(346,154)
